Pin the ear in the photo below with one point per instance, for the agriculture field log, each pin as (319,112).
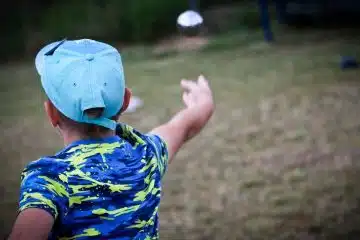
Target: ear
(52,113)
(126,102)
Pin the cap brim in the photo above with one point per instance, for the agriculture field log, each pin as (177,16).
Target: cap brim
(39,59)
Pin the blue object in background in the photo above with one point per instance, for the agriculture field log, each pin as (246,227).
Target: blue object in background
(265,20)
(280,10)
(348,62)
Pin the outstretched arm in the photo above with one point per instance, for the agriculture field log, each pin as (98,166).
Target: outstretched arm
(188,122)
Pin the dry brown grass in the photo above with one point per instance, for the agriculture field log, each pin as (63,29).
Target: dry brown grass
(277,161)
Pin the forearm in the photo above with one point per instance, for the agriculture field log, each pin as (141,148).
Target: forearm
(183,126)
(177,130)
(189,121)
(182,123)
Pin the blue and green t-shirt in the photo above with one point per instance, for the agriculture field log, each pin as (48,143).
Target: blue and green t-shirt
(100,189)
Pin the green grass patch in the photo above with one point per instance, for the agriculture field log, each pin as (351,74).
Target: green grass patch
(277,160)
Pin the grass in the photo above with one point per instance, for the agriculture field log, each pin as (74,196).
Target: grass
(277,161)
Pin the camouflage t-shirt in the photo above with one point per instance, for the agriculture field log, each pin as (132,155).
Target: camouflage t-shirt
(100,189)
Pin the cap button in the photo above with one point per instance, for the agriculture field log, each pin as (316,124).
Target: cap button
(89,57)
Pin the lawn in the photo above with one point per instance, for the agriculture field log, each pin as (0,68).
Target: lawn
(277,161)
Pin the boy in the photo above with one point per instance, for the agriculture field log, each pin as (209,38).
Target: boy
(106,182)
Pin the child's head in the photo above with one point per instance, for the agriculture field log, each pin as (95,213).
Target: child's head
(85,86)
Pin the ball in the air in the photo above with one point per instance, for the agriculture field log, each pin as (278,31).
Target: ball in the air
(189,23)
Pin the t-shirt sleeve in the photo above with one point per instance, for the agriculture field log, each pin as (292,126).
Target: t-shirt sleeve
(159,147)
(42,188)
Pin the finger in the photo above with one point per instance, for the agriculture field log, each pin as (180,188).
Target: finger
(188,85)
(183,83)
(203,81)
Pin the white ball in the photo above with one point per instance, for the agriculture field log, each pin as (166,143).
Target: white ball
(190,18)
(190,22)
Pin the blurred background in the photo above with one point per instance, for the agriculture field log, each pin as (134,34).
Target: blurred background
(280,157)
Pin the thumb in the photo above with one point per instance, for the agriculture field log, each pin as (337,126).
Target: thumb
(203,81)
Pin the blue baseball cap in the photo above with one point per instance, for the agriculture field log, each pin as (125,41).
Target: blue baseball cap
(78,75)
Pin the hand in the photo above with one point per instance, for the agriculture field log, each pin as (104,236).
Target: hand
(188,122)
(197,94)
(199,104)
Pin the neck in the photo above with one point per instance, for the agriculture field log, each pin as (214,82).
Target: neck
(69,137)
